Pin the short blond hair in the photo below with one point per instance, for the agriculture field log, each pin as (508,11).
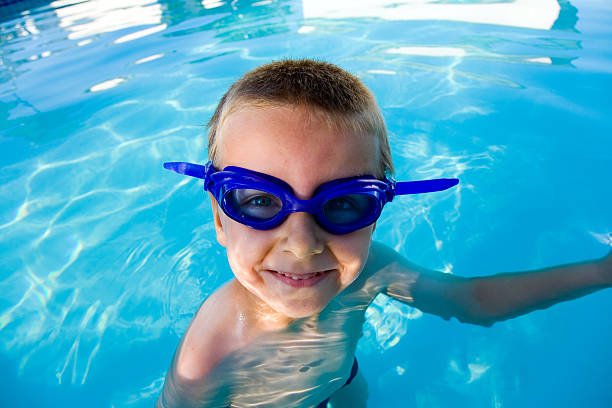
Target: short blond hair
(327,90)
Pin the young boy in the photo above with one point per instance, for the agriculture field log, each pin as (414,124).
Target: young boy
(283,333)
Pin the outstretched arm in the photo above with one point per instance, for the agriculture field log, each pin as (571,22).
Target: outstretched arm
(486,300)
(508,295)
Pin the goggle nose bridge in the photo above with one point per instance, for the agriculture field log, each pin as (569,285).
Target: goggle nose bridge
(311,206)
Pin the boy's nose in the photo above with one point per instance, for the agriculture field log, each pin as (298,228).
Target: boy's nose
(302,235)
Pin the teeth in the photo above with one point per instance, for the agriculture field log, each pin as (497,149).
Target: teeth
(300,277)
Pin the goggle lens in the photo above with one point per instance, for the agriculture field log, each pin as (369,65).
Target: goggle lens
(348,208)
(254,204)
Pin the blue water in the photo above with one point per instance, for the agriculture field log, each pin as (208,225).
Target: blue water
(104,257)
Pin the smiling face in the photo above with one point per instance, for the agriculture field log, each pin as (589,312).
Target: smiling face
(295,269)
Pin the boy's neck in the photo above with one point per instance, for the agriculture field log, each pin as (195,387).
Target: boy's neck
(256,314)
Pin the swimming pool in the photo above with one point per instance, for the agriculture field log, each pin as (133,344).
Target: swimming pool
(105,256)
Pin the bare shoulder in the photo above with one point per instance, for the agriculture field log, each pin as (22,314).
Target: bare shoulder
(382,256)
(385,266)
(211,336)
(431,291)
(388,272)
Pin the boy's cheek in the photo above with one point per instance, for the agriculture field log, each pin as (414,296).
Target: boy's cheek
(352,250)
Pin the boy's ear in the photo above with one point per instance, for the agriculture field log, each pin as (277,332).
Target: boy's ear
(217,220)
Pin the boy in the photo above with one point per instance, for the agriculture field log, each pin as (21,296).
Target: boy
(283,333)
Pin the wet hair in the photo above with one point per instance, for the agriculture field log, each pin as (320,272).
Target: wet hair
(326,90)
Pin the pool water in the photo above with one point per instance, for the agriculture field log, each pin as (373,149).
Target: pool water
(104,256)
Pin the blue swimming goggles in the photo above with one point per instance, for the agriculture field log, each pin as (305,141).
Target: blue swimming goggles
(339,206)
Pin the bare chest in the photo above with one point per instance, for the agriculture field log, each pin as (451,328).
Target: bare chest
(299,366)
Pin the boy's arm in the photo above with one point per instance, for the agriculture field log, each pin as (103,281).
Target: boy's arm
(187,383)
(486,300)
(207,341)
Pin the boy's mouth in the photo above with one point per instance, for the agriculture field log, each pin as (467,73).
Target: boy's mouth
(300,280)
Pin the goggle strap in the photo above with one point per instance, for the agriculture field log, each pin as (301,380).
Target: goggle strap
(188,169)
(424,186)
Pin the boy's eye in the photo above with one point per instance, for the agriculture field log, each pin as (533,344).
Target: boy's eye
(255,203)
(348,208)
(340,204)
(259,201)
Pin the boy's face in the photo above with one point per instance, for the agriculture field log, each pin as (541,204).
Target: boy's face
(299,148)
